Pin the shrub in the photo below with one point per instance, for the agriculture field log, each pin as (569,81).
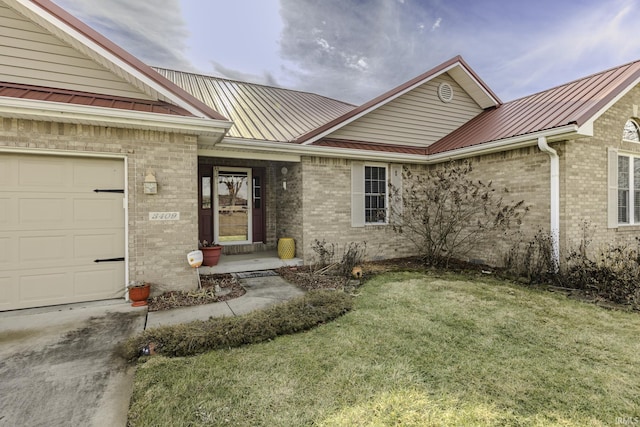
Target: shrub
(532,259)
(446,214)
(614,275)
(299,314)
(353,254)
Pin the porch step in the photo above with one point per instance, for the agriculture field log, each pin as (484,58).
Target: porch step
(250,262)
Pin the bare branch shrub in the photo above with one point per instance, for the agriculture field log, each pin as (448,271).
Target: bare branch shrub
(531,259)
(353,254)
(446,214)
(613,274)
(325,252)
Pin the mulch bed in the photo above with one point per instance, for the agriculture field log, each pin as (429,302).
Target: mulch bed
(229,286)
(305,277)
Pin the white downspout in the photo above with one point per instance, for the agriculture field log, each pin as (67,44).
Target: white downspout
(554,199)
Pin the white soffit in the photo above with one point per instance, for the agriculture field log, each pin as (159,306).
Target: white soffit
(472,87)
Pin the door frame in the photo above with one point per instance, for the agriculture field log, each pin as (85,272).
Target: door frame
(216,204)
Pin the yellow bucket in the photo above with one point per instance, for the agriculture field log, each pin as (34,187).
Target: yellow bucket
(286,248)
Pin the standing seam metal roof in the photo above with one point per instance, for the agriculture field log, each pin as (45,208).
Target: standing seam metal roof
(576,103)
(260,112)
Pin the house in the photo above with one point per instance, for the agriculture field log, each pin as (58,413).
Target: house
(111,171)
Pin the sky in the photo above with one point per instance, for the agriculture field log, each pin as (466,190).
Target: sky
(354,50)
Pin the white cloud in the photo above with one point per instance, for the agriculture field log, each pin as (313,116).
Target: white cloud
(436,24)
(324,45)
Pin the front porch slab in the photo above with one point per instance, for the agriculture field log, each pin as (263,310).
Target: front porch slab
(250,262)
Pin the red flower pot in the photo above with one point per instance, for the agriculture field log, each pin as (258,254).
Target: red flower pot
(139,295)
(211,255)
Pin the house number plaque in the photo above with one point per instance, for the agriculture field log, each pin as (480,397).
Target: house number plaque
(164,216)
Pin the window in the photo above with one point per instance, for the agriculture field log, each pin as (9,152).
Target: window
(370,194)
(375,194)
(628,190)
(631,131)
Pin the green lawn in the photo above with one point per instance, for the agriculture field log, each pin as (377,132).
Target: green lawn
(418,350)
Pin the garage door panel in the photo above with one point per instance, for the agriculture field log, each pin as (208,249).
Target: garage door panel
(99,284)
(98,174)
(5,251)
(45,287)
(37,250)
(45,212)
(53,226)
(5,211)
(99,211)
(96,245)
(43,172)
(7,172)
(9,294)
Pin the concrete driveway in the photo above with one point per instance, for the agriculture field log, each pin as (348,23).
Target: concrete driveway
(58,366)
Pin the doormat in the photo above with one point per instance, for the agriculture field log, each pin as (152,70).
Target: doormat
(254,274)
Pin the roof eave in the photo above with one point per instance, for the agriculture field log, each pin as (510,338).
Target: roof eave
(101,116)
(569,131)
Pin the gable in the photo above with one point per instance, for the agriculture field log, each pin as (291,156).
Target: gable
(417,118)
(31,55)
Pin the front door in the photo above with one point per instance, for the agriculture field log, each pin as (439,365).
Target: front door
(232,205)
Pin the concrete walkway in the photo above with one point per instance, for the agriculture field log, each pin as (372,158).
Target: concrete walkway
(261,292)
(59,365)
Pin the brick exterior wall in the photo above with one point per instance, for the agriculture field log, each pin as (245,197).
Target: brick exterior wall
(289,212)
(326,209)
(525,173)
(586,186)
(327,203)
(157,249)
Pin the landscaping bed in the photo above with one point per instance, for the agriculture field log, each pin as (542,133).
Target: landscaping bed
(228,288)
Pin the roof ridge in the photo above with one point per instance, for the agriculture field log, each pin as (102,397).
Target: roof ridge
(226,79)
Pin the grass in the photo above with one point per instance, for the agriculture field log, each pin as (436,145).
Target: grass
(417,350)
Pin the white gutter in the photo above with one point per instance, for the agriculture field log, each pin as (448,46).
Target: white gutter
(86,114)
(555,200)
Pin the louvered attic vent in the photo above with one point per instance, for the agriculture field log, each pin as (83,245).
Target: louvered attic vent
(445,92)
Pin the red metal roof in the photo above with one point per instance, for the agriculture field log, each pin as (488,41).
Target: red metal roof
(576,103)
(64,96)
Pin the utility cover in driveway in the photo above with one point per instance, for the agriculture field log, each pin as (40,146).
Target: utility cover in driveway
(53,226)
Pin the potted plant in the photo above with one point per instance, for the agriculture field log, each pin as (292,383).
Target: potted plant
(210,253)
(138,293)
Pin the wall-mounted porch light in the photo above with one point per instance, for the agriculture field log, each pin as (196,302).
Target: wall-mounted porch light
(150,183)
(284,171)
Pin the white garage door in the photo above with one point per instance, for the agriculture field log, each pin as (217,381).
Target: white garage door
(54,226)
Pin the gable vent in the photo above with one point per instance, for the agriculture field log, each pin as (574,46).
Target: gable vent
(445,92)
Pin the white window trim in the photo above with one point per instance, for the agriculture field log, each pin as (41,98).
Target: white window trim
(614,155)
(637,127)
(386,193)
